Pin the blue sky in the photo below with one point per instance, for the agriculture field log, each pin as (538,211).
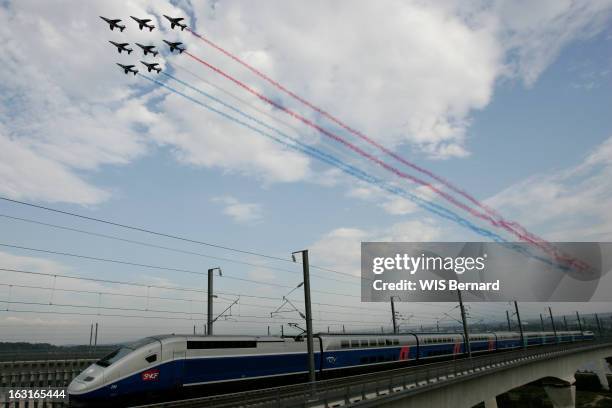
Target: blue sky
(513,107)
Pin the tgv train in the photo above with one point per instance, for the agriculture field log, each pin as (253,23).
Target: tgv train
(169,366)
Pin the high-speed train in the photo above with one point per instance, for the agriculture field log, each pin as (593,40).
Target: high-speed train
(182,365)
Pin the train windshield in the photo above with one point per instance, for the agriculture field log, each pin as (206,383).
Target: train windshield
(123,351)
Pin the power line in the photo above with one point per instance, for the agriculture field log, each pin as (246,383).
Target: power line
(165,235)
(177,288)
(178,250)
(191,314)
(186,300)
(165,268)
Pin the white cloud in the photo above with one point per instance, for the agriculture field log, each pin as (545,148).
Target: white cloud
(573,204)
(535,33)
(27,175)
(412,72)
(240,212)
(432,70)
(399,206)
(340,249)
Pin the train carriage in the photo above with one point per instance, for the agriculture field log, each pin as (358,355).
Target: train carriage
(508,340)
(177,366)
(437,345)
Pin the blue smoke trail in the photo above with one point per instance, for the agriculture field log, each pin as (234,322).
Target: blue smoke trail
(346,168)
(337,163)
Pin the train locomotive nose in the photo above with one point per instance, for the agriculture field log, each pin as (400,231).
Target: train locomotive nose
(77,387)
(88,380)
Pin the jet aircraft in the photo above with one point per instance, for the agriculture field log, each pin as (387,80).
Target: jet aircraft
(122,47)
(175,46)
(128,68)
(176,22)
(148,49)
(143,22)
(152,66)
(114,23)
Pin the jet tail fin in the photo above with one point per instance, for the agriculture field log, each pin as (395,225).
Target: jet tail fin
(121,28)
(129,52)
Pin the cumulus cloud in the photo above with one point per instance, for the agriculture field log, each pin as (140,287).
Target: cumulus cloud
(239,211)
(535,38)
(572,204)
(340,248)
(404,72)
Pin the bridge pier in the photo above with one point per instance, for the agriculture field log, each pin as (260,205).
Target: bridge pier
(600,370)
(561,396)
(491,403)
(561,391)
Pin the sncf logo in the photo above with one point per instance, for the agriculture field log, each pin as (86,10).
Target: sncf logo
(150,375)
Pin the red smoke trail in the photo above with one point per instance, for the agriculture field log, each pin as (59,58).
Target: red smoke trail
(513,227)
(394,170)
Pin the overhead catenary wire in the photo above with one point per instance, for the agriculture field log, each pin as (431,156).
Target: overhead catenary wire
(163,234)
(191,314)
(175,288)
(178,250)
(158,267)
(185,300)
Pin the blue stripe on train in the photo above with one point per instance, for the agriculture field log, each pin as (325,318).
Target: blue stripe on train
(201,370)
(228,368)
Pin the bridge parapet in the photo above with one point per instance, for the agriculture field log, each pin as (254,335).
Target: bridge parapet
(49,373)
(415,386)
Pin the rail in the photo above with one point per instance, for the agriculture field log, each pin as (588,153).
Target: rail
(360,389)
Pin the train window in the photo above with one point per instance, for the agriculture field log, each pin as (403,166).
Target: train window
(388,342)
(364,343)
(372,342)
(220,344)
(344,343)
(354,343)
(396,341)
(114,356)
(152,358)
(381,342)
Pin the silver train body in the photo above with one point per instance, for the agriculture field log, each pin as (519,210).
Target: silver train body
(176,366)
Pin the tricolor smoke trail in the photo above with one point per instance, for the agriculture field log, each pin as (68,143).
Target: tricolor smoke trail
(524,237)
(314,152)
(497,220)
(343,125)
(318,154)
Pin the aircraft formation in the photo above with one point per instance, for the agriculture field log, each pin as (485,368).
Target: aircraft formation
(146,49)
